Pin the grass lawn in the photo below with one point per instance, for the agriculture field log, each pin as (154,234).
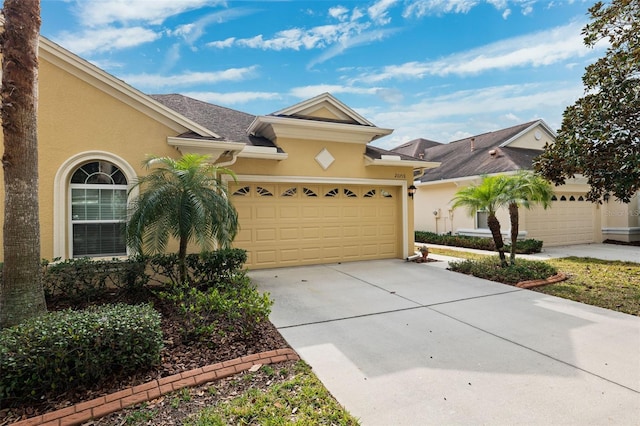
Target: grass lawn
(301,400)
(608,284)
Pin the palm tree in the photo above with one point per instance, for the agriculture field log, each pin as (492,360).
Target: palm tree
(184,199)
(21,291)
(524,189)
(487,195)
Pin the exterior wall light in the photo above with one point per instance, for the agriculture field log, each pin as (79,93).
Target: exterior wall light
(411,190)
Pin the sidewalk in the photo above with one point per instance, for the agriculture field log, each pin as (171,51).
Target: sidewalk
(597,251)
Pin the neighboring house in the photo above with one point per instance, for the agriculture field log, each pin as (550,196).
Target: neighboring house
(309,187)
(570,220)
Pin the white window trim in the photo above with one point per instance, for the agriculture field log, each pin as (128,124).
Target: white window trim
(62,230)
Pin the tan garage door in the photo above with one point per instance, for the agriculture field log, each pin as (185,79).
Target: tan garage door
(569,220)
(304,224)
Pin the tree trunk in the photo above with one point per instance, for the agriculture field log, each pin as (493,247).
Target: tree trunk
(21,291)
(182,260)
(494,227)
(515,226)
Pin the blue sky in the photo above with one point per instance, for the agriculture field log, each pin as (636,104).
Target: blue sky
(436,69)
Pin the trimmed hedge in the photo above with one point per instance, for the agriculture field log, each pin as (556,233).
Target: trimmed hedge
(207,269)
(61,350)
(86,279)
(528,246)
(490,268)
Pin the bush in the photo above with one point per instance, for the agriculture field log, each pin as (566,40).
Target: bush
(237,306)
(62,350)
(528,246)
(489,268)
(215,268)
(83,280)
(206,269)
(86,279)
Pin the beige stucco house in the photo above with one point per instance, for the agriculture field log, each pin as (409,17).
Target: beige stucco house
(570,219)
(310,189)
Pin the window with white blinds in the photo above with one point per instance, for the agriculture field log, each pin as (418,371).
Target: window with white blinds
(98,210)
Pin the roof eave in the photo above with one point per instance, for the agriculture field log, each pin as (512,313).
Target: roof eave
(272,127)
(51,51)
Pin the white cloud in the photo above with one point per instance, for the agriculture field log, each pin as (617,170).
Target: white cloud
(192,31)
(189,78)
(222,44)
(349,42)
(233,98)
(106,39)
(103,12)
(306,92)
(297,38)
(171,57)
(378,12)
(537,49)
(463,113)
(338,12)
(420,8)
(506,13)
(336,38)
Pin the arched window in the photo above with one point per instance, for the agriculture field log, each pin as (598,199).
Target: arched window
(98,210)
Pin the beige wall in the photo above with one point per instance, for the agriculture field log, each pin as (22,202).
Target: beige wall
(611,220)
(74,117)
(621,221)
(436,197)
(349,164)
(534,138)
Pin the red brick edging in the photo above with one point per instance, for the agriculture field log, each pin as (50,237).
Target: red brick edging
(536,283)
(107,404)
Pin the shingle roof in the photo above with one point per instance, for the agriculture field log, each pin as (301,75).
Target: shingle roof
(230,124)
(376,153)
(415,147)
(471,156)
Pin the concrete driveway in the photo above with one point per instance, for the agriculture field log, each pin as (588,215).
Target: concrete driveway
(415,344)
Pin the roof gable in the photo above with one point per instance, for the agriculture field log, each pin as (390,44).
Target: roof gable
(324,107)
(492,152)
(320,118)
(415,147)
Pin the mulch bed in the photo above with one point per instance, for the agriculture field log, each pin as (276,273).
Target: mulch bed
(177,356)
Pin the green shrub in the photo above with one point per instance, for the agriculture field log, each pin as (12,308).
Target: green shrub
(215,268)
(85,279)
(522,246)
(61,350)
(237,306)
(489,268)
(212,268)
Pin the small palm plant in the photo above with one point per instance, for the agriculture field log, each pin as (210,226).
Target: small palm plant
(184,199)
(488,195)
(524,189)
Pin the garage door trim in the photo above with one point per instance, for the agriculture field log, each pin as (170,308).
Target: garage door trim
(343,181)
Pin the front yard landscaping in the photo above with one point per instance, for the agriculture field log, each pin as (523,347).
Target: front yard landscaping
(218,316)
(608,284)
